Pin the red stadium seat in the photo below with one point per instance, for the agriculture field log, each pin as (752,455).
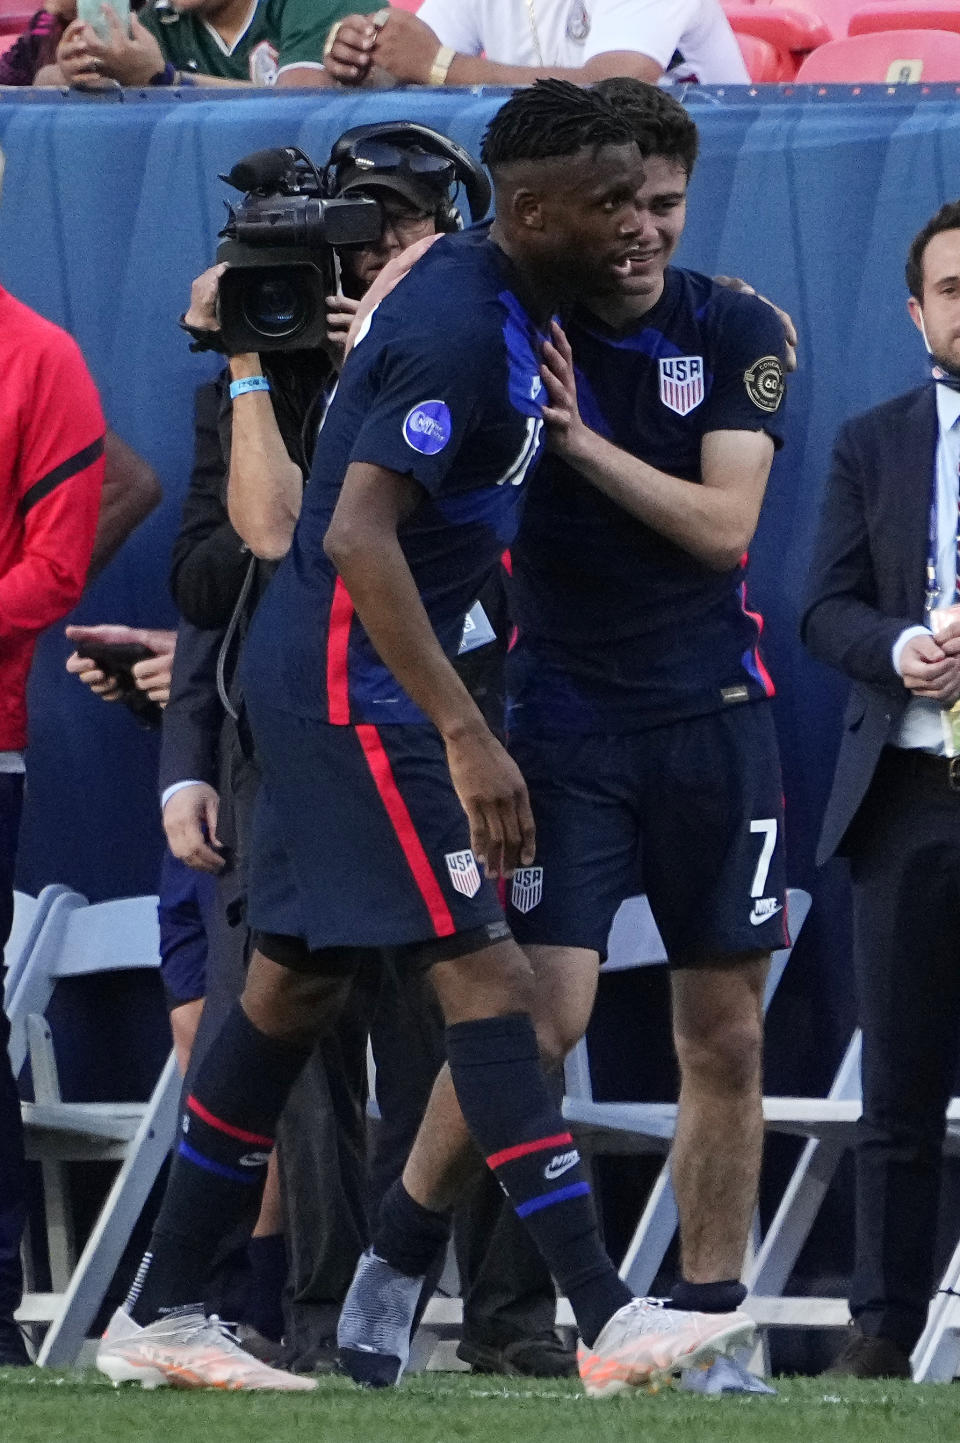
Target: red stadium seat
(833,16)
(15,15)
(7,42)
(891,57)
(763,61)
(791,32)
(906,15)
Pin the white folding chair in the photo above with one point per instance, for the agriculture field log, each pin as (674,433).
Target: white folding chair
(646,1127)
(29,915)
(81,940)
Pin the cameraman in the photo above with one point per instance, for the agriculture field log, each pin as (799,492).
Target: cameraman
(264,439)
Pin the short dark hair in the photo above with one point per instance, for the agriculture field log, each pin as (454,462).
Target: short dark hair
(946,218)
(659,123)
(552,118)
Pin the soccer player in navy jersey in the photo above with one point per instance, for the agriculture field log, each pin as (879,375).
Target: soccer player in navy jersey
(640,712)
(639,701)
(384,793)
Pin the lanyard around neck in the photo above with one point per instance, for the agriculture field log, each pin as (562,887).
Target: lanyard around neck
(535,32)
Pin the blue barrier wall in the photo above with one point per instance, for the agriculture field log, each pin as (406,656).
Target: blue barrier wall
(110,209)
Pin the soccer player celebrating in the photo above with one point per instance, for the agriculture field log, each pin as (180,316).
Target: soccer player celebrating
(384,793)
(639,713)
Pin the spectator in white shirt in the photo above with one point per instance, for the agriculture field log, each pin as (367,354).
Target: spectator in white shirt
(514,42)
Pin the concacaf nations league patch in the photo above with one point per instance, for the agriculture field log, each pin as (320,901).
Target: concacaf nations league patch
(427,427)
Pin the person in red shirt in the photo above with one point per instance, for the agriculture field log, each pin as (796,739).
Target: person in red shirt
(51,476)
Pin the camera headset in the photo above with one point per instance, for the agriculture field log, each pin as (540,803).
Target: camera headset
(412,161)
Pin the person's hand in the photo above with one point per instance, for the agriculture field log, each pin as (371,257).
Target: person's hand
(341,311)
(743,288)
(494,796)
(202,315)
(155,681)
(190,822)
(567,434)
(130,59)
(928,671)
(350,58)
(153,676)
(392,273)
(103,686)
(74,59)
(406,48)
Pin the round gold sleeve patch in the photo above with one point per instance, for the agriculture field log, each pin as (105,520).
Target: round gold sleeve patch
(764,382)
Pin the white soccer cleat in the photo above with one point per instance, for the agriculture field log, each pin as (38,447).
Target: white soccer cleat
(186,1349)
(645,1343)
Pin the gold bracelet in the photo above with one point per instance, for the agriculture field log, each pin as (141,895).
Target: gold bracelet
(442,61)
(331,39)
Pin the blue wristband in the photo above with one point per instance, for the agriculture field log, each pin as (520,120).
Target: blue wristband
(249,383)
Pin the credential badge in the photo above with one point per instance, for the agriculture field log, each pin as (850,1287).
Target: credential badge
(681,383)
(527,888)
(464,872)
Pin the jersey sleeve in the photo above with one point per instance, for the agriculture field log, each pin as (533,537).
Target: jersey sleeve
(59,478)
(454,22)
(651,27)
(304,25)
(429,395)
(749,369)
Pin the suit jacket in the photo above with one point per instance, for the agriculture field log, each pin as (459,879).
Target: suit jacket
(867,581)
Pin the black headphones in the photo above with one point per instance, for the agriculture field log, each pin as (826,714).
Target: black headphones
(428,160)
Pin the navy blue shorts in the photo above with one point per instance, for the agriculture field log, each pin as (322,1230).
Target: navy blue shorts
(186,895)
(690,813)
(359,839)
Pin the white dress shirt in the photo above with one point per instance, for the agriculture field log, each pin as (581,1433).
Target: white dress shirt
(571,32)
(921,726)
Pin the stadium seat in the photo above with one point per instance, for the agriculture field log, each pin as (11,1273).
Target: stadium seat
(78,940)
(763,61)
(906,15)
(892,57)
(791,32)
(645,1127)
(15,16)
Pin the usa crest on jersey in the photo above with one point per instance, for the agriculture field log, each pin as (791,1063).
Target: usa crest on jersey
(681,383)
(527,888)
(464,872)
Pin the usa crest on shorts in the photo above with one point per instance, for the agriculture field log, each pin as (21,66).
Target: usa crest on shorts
(527,888)
(681,383)
(464,872)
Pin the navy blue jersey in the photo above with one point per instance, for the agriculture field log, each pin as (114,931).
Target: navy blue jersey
(442,387)
(619,628)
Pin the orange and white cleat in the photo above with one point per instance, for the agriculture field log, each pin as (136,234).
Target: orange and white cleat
(186,1349)
(646,1343)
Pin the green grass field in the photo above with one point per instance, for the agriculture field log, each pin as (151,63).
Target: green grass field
(43,1407)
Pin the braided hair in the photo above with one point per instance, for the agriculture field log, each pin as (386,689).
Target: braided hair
(552,118)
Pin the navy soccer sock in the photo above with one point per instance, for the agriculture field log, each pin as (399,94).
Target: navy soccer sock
(217,1175)
(722,1297)
(407,1235)
(505,1099)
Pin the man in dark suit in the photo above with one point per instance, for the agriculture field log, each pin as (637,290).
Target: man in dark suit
(883,577)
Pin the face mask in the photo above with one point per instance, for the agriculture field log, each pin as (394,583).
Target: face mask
(940,374)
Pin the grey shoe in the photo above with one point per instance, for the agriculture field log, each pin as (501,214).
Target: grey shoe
(373,1334)
(725,1375)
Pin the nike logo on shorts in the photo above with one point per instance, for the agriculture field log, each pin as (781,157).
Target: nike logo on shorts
(763,909)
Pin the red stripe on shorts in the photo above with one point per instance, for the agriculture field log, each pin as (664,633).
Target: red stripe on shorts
(410,843)
(510,1154)
(227,1127)
(338,643)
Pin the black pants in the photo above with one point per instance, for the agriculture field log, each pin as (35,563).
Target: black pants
(904,849)
(12,1165)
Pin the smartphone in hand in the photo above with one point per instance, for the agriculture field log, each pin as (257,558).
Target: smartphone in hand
(91,13)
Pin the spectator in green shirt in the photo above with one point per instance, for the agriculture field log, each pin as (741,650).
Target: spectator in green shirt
(204,42)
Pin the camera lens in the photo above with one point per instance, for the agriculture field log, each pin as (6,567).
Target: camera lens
(275,306)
